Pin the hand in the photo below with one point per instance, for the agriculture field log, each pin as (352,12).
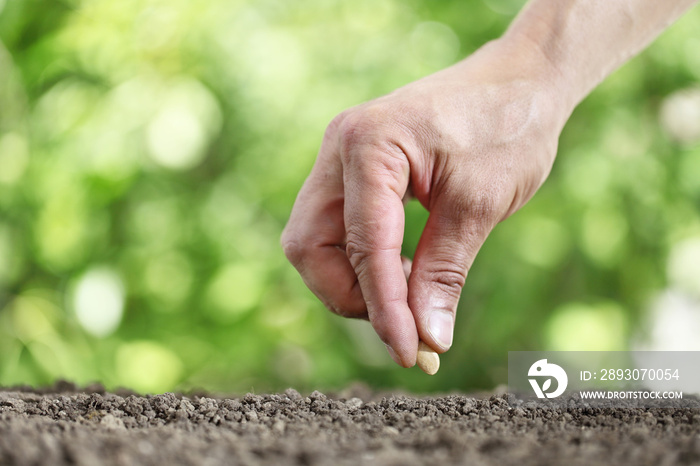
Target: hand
(472,143)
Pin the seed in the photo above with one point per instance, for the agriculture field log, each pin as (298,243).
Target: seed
(428,360)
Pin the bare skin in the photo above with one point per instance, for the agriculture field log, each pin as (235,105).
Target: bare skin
(472,143)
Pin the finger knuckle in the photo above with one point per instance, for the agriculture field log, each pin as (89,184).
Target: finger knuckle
(367,125)
(355,128)
(333,128)
(393,160)
(449,278)
(348,303)
(451,282)
(357,253)
(369,145)
(349,309)
(294,249)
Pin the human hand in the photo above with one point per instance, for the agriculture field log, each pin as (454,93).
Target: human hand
(472,143)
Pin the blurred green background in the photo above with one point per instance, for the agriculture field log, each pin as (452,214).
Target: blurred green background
(151,150)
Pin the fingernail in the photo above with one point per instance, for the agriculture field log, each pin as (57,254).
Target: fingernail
(440,327)
(393,354)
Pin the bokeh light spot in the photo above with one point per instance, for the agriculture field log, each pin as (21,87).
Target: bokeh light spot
(147,367)
(62,229)
(274,59)
(672,323)
(33,318)
(181,130)
(235,290)
(62,108)
(584,327)
(176,138)
(680,115)
(99,301)
(283,312)
(14,157)
(683,266)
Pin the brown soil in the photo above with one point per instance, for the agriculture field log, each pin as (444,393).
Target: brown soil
(66,426)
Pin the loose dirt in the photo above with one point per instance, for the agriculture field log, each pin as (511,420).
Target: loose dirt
(64,425)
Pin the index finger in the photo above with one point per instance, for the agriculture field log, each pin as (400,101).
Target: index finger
(375,180)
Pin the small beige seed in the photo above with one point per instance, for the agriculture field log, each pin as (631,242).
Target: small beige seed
(428,360)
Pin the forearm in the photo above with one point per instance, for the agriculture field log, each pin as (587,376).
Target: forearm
(586,40)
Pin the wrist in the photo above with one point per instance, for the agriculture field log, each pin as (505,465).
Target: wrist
(523,60)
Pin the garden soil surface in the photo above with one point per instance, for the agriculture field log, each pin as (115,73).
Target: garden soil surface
(66,425)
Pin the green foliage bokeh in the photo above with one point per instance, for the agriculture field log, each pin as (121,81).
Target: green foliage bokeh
(153,149)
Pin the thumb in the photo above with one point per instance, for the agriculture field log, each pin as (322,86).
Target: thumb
(445,252)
